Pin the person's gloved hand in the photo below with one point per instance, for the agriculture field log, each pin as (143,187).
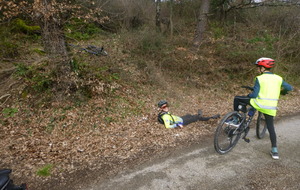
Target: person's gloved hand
(283,92)
(215,116)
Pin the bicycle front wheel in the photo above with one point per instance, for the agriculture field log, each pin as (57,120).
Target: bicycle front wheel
(227,134)
(261,126)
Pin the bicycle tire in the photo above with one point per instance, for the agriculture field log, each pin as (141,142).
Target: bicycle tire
(261,126)
(226,136)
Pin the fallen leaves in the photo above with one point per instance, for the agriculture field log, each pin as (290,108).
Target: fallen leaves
(74,138)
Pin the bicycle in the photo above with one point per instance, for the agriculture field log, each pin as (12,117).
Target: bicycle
(91,49)
(228,134)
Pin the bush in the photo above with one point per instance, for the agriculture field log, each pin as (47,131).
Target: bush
(149,42)
(36,77)
(9,50)
(9,112)
(80,30)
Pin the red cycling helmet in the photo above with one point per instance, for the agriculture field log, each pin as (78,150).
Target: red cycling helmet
(265,62)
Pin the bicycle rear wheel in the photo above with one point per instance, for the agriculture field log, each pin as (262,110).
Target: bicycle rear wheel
(227,135)
(261,126)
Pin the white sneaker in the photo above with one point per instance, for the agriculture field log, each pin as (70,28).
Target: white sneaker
(274,155)
(232,122)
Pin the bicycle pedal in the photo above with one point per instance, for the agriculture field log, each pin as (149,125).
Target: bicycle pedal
(247,140)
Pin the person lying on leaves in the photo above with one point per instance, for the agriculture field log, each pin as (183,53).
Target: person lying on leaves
(173,121)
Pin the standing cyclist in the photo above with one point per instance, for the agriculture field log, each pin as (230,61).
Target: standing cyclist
(264,98)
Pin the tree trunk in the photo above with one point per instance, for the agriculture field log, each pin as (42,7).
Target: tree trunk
(157,16)
(171,18)
(55,46)
(53,40)
(52,30)
(202,22)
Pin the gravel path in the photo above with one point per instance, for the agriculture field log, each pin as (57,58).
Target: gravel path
(247,166)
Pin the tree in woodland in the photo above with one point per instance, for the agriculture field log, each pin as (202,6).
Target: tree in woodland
(202,22)
(51,15)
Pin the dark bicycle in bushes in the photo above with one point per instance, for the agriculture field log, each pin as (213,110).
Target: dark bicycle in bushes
(228,134)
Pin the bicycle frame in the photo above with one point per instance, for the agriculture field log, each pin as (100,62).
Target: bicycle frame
(245,122)
(249,121)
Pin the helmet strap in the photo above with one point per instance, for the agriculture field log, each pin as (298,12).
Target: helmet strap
(262,70)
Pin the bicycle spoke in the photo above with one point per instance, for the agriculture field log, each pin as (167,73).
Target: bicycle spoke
(261,126)
(226,135)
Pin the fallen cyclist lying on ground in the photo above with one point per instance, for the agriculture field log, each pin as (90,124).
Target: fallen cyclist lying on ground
(173,121)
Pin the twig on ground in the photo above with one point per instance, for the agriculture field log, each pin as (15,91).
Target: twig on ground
(4,96)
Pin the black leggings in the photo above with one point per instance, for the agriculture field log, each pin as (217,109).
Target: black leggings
(269,118)
(271,129)
(238,99)
(188,119)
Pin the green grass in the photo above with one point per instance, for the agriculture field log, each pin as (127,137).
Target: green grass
(45,171)
(9,112)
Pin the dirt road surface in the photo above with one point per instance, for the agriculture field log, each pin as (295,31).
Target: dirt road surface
(247,166)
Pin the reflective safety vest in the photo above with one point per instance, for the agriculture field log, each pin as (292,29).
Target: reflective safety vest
(169,120)
(267,99)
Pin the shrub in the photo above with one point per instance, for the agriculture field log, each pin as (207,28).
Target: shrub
(9,112)
(149,42)
(9,50)
(37,77)
(80,30)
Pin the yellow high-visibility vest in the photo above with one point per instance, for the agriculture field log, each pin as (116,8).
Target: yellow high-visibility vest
(267,99)
(170,120)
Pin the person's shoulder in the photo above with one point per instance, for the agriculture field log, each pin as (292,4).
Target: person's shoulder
(271,74)
(278,76)
(162,114)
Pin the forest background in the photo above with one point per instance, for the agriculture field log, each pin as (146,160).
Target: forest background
(67,115)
